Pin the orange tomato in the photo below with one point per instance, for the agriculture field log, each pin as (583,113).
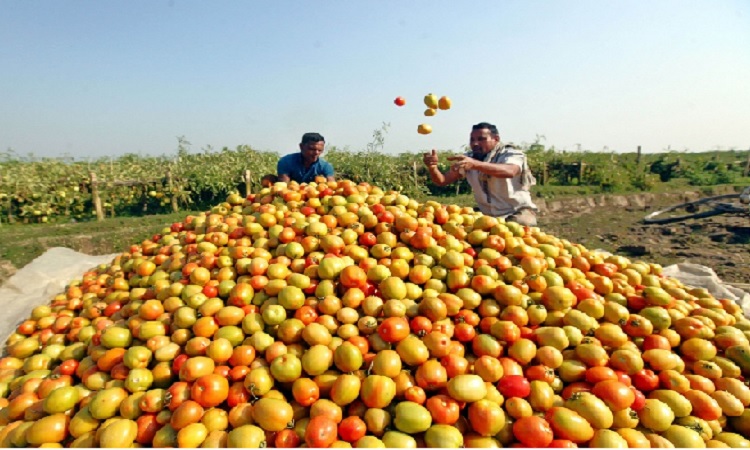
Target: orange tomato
(533,431)
(210,390)
(321,432)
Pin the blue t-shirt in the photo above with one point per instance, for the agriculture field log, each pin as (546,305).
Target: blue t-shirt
(293,166)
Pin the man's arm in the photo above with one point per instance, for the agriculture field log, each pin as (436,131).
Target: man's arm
(283,171)
(328,172)
(439,178)
(497,170)
(443,179)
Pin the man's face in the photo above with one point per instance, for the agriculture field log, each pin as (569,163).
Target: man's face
(311,151)
(482,141)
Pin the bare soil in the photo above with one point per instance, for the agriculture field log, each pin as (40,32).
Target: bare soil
(615,224)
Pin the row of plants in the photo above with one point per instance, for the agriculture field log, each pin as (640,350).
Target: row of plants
(60,189)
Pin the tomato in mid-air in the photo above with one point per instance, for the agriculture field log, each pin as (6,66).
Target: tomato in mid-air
(400,101)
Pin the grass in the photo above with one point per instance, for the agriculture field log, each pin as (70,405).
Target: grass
(21,244)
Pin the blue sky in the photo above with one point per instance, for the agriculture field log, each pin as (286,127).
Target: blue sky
(94,78)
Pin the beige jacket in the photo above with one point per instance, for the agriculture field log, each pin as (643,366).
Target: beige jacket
(502,197)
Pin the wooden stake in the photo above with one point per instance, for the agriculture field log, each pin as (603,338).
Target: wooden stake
(96,198)
(416,178)
(172,196)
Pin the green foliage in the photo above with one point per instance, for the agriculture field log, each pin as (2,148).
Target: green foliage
(36,190)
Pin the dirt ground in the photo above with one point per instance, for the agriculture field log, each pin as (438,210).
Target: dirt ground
(614,223)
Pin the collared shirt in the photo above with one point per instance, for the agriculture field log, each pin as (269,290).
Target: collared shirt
(293,166)
(501,197)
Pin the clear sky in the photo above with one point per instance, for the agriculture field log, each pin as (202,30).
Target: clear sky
(94,78)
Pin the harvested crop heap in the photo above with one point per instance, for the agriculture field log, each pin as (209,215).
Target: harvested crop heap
(336,314)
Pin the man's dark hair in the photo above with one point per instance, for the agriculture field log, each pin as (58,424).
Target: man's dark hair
(486,126)
(312,137)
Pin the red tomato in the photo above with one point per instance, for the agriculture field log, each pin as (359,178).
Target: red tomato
(210,291)
(420,324)
(605,269)
(400,101)
(178,362)
(68,367)
(645,380)
(352,428)
(639,402)
(636,302)
(237,394)
(514,386)
(287,438)
(368,239)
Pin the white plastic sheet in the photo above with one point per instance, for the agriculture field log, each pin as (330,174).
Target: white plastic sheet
(699,276)
(39,281)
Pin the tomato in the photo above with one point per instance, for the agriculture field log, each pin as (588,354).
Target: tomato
(377,391)
(188,412)
(393,329)
(287,438)
(486,417)
(368,239)
(272,414)
(147,427)
(514,386)
(639,401)
(656,415)
(321,432)
(704,406)
(210,390)
(645,380)
(600,373)
(568,424)
(443,409)
(400,101)
(533,431)
(352,429)
(562,443)
(591,408)
(616,395)
(68,367)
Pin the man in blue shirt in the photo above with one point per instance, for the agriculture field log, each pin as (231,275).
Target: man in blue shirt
(304,166)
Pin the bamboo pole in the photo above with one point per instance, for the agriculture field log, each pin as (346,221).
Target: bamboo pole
(416,178)
(170,187)
(248,185)
(95,195)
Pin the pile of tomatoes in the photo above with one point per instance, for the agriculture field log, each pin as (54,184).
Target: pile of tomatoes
(334,314)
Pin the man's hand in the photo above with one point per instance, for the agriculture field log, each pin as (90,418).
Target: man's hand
(430,159)
(462,163)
